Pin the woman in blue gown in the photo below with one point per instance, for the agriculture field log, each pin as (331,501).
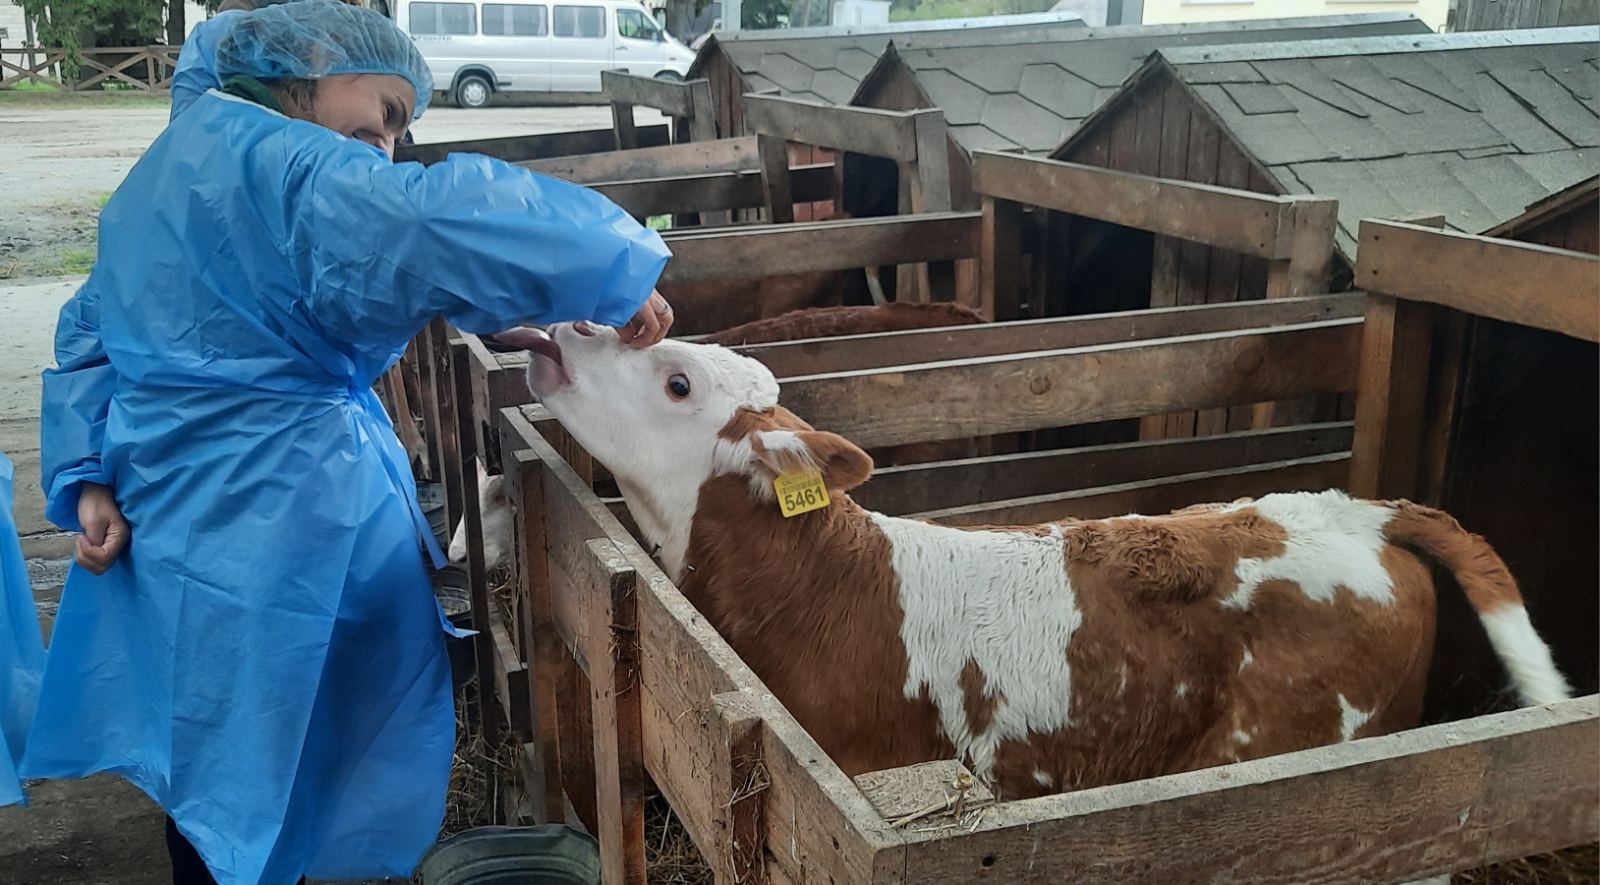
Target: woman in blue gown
(251,637)
(21,649)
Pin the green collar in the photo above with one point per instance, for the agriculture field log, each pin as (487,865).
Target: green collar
(251,89)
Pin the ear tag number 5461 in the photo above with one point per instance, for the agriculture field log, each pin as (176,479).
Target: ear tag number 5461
(800,492)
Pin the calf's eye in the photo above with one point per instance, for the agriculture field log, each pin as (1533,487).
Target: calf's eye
(678,387)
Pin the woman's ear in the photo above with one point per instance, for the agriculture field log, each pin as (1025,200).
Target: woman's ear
(843,465)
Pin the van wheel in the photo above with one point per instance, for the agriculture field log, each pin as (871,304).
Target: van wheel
(670,76)
(473,91)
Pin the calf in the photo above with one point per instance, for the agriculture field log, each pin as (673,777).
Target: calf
(817,322)
(1046,657)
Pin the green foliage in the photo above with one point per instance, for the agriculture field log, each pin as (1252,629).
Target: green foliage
(76,24)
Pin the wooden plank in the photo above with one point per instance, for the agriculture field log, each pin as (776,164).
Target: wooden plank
(822,246)
(547,661)
(1391,397)
(1000,260)
(917,488)
(670,98)
(719,192)
(1484,277)
(1384,809)
(667,161)
(890,134)
(777,189)
(1004,394)
(846,353)
(703,116)
(521,148)
(930,170)
(511,679)
(1216,216)
(466,475)
(1156,496)
(613,653)
(1199,166)
(622,123)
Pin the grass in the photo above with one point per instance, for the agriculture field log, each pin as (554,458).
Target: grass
(74,262)
(44,96)
(659,222)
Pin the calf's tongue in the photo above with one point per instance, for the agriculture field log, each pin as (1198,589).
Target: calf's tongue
(535,341)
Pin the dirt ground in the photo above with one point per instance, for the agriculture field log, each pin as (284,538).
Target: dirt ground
(59,161)
(61,157)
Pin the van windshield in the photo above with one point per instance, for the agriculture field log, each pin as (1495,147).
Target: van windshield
(635,25)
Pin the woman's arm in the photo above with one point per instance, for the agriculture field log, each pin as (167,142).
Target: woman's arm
(77,397)
(382,248)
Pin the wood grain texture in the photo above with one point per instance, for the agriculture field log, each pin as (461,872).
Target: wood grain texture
(889,134)
(1003,394)
(1242,222)
(775,250)
(1158,495)
(1380,810)
(917,488)
(1484,277)
(666,161)
(523,148)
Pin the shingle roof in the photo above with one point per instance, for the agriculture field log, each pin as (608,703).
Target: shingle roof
(1475,126)
(827,64)
(1033,95)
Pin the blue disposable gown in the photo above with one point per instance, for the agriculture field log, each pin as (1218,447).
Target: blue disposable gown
(21,649)
(196,71)
(266,659)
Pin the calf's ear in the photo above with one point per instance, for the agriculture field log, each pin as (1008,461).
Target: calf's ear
(843,465)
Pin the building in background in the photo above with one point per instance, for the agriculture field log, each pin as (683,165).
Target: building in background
(1160,12)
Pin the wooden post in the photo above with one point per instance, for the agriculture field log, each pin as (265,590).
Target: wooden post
(614,681)
(466,476)
(1313,222)
(442,407)
(702,119)
(1391,398)
(547,658)
(622,122)
(739,782)
(1000,262)
(775,178)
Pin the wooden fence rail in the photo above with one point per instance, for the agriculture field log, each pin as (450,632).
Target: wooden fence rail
(98,66)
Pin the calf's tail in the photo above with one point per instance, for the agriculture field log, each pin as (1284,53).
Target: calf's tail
(1492,592)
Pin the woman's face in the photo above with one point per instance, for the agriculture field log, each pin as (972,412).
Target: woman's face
(374,108)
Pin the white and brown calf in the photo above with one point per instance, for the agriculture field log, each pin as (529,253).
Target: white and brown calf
(1049,657)
(815,322)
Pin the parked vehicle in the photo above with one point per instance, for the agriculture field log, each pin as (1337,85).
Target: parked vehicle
(476,49)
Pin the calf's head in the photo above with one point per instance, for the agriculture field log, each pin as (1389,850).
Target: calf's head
(667,419)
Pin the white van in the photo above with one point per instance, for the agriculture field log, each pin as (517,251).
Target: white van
(475,48)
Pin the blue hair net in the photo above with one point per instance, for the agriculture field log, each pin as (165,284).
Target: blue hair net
(312,39)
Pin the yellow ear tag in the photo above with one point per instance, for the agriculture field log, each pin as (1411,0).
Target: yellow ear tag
(800,493)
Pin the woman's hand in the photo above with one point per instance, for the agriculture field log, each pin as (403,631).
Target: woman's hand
(105,532)
(650,324)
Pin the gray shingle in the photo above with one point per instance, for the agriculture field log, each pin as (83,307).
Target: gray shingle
(790,74)
(1258,98)
(834,87)
(1552,104)
(1068,96)
(982,138)
(1511,119)
(1359,75)
(961,101)
(1224,72)
(1558,170)
(855,61)
(1022,121)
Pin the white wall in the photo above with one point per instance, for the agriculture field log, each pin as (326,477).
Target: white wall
(1160,12)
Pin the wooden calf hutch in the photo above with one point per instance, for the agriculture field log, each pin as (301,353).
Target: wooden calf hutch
(991,243)
(1030,95)
(627,685)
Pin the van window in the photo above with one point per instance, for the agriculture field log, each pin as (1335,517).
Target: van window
(519,20)
(635,25)
(580,21)
(444,19)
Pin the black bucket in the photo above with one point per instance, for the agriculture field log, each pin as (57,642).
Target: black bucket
(544,855)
